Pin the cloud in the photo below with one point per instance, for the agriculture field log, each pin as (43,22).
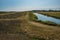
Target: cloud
(23,5)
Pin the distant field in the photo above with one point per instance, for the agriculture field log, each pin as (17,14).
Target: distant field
(8,15)
(53,14)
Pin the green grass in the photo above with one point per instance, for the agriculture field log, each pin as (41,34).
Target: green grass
(32,17)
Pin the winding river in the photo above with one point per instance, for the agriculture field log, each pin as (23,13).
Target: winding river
(47,18)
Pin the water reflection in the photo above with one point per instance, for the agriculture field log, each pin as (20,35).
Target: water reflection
(47,18)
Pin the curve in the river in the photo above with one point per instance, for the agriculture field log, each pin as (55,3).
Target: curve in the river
(47,18)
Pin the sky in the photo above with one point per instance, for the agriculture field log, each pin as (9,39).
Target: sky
(22,5)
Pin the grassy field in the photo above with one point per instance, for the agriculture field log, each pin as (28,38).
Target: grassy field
(53,14)
(12,26)
(18,26)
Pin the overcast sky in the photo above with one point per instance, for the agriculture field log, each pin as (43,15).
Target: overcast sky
(19,5)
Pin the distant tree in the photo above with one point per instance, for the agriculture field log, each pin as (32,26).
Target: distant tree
(50,10)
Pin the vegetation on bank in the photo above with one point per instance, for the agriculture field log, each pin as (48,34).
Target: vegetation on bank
(34,18)
(52,14)
(48,22)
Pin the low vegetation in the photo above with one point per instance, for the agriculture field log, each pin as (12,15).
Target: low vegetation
(11,15)
(17,26)
(47,22)
(53,14)
(34,18)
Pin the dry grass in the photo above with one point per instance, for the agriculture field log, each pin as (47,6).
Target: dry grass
(46,33)
(20,28)
(53,14)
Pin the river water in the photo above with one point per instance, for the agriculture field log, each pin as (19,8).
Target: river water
(47,18)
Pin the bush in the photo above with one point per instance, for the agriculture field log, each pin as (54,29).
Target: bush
(32,17)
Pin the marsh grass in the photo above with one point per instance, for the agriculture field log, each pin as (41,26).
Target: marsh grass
(52,14)
(33,17)
(20,29)
(47,23)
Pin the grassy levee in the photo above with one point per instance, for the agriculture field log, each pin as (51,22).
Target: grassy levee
(16,29)
(13,27)
(32,17)
(11,23)
(52,14)
(20,28)
(11,15)
(40,30)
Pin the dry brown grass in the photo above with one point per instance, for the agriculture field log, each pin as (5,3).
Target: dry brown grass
(53,14)
(20,28)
